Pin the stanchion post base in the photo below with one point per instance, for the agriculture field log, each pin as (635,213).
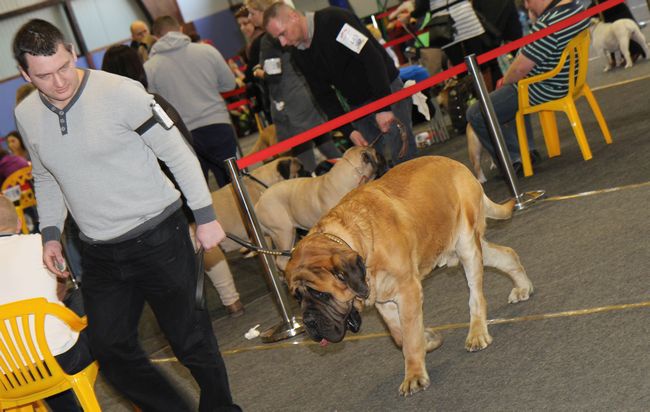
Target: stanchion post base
(283,331)
(528,198)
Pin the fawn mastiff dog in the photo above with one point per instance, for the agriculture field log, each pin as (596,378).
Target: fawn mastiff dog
(378,243)
(299,203)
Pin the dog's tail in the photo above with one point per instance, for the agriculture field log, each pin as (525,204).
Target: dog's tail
(498,211)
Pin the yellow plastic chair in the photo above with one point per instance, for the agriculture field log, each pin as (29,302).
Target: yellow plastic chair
(28,370)
(23,179)
(577,51)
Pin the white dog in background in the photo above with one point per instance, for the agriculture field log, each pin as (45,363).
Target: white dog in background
(612,37)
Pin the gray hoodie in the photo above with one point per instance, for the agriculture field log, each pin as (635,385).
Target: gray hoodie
(190,76)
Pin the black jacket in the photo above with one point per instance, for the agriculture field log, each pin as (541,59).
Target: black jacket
(360,78)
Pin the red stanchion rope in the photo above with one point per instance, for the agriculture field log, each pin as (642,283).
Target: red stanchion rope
(409,91)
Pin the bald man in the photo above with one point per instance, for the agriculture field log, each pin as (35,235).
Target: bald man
(139,30)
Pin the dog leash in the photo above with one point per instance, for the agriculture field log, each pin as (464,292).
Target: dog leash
(199,293)
(253,178)
(249,245)
(402,134)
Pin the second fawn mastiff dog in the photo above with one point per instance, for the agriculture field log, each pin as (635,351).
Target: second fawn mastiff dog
(299,203)
(377,244)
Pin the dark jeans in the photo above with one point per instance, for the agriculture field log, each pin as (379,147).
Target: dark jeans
(157,267)
(72,361)
(391,143)
(214,144)
(505,105)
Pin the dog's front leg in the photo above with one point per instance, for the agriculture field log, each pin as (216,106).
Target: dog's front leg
(414,341)
(471,257)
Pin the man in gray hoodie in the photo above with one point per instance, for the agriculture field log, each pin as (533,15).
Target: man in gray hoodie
(191,76)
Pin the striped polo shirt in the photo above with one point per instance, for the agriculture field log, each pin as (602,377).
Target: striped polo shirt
(546,53)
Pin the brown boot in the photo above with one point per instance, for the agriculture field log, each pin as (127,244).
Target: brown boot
(235,310)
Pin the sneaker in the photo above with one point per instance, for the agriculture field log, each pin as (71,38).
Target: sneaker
(235,310)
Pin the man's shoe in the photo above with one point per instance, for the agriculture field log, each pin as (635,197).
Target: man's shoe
(535,157)
(235,310)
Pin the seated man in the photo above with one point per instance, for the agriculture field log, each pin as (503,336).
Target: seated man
(24,276)
(537,57)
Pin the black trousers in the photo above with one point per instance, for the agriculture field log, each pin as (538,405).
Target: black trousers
(214,144)
(156,267)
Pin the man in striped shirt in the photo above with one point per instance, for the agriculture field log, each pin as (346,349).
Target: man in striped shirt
(537,57)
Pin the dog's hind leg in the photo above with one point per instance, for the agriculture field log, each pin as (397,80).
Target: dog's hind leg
(624,47)
(638,37)
(469,251)
(506,260)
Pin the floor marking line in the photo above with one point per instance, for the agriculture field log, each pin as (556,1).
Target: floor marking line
(621,83)
(449,326)
(595,192)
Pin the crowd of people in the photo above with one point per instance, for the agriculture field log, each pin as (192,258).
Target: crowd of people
(102,167)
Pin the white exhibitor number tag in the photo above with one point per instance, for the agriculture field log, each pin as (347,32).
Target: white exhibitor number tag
(161,116)
(273,66)
(351,38)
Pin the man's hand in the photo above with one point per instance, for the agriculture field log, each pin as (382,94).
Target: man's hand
(53,258)
(499,83)
(358,139)
(385,120)
(210,234)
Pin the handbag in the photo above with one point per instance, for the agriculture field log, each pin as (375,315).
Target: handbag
(441,30)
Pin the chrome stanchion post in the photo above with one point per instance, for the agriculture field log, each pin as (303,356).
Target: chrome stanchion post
(290,325)
(522,200)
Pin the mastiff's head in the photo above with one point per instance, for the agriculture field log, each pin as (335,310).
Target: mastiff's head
(366,162)
(329,280)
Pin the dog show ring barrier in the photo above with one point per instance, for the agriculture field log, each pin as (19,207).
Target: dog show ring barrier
(291,325)
(522,200)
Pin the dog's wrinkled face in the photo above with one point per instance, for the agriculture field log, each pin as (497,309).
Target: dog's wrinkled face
(327,278)
(367,162)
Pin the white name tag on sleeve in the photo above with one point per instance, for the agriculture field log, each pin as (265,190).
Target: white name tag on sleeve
(351,38)
(273,66)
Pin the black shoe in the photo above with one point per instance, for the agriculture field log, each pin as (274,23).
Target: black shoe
(535,157)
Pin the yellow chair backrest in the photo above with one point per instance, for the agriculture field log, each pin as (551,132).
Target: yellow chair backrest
(23,178)
(28,370)
(577,51)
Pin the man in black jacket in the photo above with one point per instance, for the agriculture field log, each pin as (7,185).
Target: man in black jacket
(333,49)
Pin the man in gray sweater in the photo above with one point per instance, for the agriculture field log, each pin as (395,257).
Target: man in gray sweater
(94,147)
(190,77)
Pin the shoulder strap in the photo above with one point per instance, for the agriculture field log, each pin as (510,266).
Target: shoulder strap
(144,127)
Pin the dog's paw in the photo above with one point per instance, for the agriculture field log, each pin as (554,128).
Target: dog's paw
(520,294)
(415,383)
(433,340)
(477,341)
(627,66)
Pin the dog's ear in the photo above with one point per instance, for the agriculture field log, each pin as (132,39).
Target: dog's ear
(297,168)
(375,159)
(350,269)
(284,168)
(290,168)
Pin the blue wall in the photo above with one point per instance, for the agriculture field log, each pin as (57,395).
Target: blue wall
(222,29)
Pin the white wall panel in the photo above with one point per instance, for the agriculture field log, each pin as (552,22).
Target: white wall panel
(196,9)
(105,22)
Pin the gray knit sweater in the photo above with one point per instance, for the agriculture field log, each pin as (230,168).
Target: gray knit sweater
(88,159)
(190,76)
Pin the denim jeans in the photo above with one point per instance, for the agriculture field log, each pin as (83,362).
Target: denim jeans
(157,267)
(213,145)
(505,104)
(390,144)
